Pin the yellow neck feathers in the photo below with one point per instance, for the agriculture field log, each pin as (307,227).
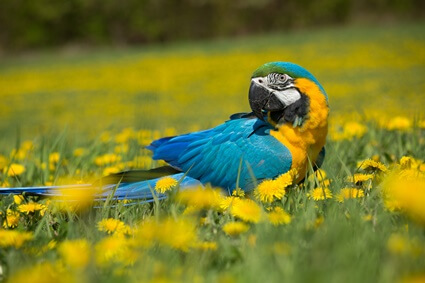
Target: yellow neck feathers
(305,142)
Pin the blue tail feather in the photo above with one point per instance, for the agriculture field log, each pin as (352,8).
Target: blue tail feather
(138,190)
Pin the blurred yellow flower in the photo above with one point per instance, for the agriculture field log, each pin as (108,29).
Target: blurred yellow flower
(3,162)
(165,184)
(202,198)
(399,123)
(13,238)
(75,253)
(14,169)
(320,193)
(349,131)
(401,245)
(45,272)
(278,216)
(110,170)
(115,249)
(54,157)
(78,152)
(247,210)
(12,219)
(227,202)
(177,233)
(107,159)
(235,228)
(371,165)
(405,190)
(206,246)
(347,193)
(113,226)
(75,198)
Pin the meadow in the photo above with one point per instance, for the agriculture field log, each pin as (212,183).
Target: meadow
(71,116)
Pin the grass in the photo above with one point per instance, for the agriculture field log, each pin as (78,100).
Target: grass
(115,102)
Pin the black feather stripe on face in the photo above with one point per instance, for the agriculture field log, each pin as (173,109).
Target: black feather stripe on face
(297,111)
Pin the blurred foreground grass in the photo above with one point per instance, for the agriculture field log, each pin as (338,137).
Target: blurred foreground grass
(355,221)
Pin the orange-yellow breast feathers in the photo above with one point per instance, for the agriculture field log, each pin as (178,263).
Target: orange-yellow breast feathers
(305,142)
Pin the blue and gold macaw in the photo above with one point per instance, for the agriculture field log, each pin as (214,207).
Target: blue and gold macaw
(287,129)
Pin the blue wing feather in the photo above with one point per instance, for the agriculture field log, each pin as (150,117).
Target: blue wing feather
(213,156)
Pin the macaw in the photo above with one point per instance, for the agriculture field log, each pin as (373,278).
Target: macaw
(286,130)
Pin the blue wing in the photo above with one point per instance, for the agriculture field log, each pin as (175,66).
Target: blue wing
(213,156)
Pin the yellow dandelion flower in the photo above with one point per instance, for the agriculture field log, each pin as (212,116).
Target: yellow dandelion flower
(165,184)
(31,207)
(115,249)
(54,157)
(399,123)
(371,165)
(18,199)
(247,210)
(268,190)
(12,219)
(14,170)
(405,190)
(13,238)
(421,124)
(227,202)
(177,233)
(360,178)
(320,174)
(107,159)
(238,193)
(75,198)
(278,216)
(42,273)
(75,253)
(348,131)
(113,226)
(206,246)
(235,228)
(3,162)
(110,170)
(347,193)
(78,152)
(202,198)
(320,193)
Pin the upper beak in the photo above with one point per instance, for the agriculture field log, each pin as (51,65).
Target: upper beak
(261,98)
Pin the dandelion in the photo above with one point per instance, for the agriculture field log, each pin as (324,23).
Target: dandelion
(18,199)
(227,202)
(238,193)
(347,193)
(14,170)
(165,184)
(12,219)
(109,158)
(110,170)
(31,207)
(278,216)
(115,249)
(235,228)
(320,193)
(269,190)
(405,190)
(54,157)
(349,131)
(179,234)
(202,198)
(113,226)
(206,246)
(247,210)
(360,178)
(75,198)
(372,165)
(399,123)
(78,152)
(75,253)
(42,273)
(13,238)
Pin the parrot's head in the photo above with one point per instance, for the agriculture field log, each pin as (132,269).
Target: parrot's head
(280,90)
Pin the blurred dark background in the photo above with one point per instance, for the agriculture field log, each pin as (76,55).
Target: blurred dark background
(28,24)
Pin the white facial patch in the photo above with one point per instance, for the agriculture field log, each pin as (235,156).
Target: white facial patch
(287,96)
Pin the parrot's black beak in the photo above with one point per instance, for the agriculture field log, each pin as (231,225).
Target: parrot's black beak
(261,98)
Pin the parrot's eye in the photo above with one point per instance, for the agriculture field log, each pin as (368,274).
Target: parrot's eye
(277,79)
